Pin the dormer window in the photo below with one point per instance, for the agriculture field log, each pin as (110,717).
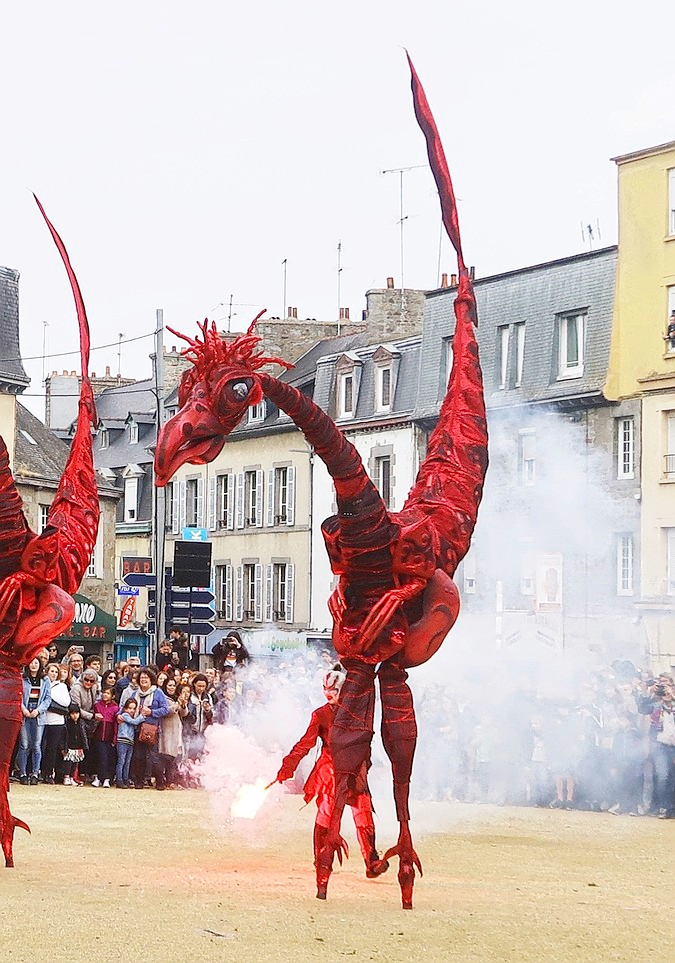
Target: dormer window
(383,383)
(347,395)
(571,345)
(104,438)
(133,432)
(131,476)
(256,413)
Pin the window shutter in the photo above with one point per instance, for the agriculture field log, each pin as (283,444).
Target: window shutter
(290,495)
(98,551)
(174,507)
(270,498)
(240,500)
(230,500)
(239,602)
(212,503)
(200,503)
(182,504)
(259,475)
(290,582)
(228,593)
(258,594)
(269,594)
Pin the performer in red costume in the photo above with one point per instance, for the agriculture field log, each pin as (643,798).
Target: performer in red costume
(321,783)
(40,573)
(395,601)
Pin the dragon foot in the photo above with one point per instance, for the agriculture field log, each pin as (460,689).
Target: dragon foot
(8,824)
(326,847)
(376,868)
(408,860)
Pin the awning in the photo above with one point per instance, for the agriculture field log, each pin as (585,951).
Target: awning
(91,623)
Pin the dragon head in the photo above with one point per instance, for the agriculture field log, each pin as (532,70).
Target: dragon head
(213,396)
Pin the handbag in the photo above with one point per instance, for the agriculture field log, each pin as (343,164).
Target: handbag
(147,733)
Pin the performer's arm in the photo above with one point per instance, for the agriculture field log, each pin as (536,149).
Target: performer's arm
(300,749)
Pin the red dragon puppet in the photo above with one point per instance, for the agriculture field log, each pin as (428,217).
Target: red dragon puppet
(40,573)
(395,601)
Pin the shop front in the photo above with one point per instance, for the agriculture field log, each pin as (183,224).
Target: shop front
(93,630)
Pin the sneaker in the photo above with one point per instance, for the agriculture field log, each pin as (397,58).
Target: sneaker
(34,779)
(49,780)
(95,782)
(106,784)
(67,781)
(23,780)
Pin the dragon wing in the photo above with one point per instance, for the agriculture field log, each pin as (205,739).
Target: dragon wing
(449,484)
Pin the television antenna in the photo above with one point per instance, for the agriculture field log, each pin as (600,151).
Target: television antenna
(402,171)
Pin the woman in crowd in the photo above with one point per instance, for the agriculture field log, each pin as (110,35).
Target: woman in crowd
(35,702)
(200,708)
(65,674)
(109,681)
(153,706)
(84,693)
(55,724)
(170,743)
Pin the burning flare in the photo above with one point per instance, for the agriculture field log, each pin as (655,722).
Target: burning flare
(248,800)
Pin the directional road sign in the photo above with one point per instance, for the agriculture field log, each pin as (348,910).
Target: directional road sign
(140,579)
(195,628)
(195,535)
(175,595)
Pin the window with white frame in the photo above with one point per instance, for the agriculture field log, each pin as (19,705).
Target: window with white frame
(671,201)
(282,495)
(346,395)
(172,507)
(131,499)
(382,477)
(133,433)
(191,503)
(571,345)
(670,561)
(250,591)
(280,580)
(527,457)
(383,388)
(669,457)
(223,591)
(624,564)
(225,501)
(503,354)
(104,438)
(519,330)
(44,516)
(625,447)
(256,413)
(95,567)
(252,495)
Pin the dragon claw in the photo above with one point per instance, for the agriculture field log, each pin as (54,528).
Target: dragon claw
(409,861)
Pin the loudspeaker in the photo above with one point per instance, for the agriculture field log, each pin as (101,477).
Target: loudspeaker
(192,564)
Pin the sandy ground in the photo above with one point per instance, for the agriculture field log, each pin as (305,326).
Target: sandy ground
(157,876)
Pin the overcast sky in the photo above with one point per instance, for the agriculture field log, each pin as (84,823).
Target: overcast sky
(184,151)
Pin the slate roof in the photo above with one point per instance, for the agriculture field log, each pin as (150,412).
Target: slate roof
(38,454)
(12,374)
(537,295)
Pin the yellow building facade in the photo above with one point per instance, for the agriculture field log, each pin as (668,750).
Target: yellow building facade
(642,364)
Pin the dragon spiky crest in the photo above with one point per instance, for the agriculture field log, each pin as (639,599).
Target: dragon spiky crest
(214,351)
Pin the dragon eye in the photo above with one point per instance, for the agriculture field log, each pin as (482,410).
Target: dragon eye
(240,389)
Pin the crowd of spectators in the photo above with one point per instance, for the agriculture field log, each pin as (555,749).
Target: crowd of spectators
(610,747)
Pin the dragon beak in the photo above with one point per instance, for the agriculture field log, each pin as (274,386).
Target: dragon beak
(193,435)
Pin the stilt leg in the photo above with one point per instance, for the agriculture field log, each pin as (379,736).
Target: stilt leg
(399,736)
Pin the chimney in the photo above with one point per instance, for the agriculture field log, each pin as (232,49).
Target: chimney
(107,371)
(65,374)
(472,273)
(444,280)
(453,280)
(344,314)
(294,312)
(390,283)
